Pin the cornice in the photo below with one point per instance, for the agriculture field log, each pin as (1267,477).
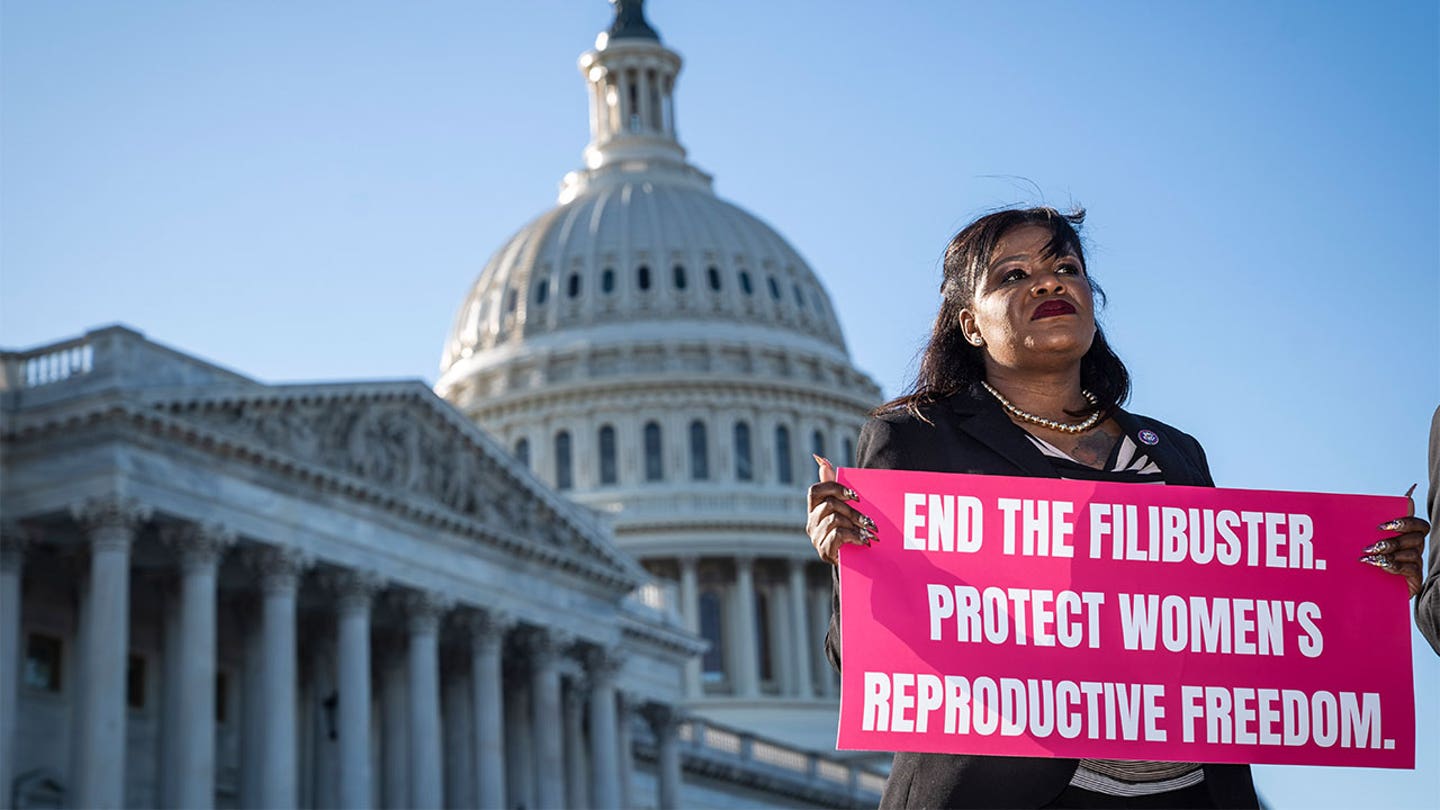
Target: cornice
(574,535)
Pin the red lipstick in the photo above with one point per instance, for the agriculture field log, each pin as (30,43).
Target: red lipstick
(1052,308)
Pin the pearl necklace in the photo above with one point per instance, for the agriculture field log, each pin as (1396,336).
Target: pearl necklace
(1078,427)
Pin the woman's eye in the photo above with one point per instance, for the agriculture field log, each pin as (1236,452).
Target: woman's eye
(1013,274)
(1073,269)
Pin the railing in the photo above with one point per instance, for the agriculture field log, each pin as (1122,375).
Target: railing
(709,740)
(661,597)
(50,364)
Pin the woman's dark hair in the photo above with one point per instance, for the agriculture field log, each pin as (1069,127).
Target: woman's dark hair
(950,364)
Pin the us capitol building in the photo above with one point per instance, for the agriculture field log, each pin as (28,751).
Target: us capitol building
(572,575)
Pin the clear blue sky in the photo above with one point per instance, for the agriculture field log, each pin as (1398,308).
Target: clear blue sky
(305,191)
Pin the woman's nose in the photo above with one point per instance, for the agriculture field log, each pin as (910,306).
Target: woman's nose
(1047,283)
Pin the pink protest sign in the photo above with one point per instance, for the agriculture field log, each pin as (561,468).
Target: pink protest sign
(1045,618)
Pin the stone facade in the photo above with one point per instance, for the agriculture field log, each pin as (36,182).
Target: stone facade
(217,592)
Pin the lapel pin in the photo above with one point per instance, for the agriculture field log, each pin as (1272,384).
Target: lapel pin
(1149,436)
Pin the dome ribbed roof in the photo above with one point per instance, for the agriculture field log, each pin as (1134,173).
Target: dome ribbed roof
(635,251)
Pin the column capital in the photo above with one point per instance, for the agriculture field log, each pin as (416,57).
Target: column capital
(199,546)
(663,718)
(743,561)
(688,560)
(423,609)
(278,567)
(353,588)
(110,519)
(545,644)
(602,664)
(486,625)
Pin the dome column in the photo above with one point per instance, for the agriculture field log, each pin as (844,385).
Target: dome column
(800,642)
(690,613)
(747,675)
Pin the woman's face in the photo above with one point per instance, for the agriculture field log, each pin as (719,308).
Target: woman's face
(1032,311)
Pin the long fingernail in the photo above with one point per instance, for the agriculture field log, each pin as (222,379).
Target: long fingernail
(1376,560)
(868,523)
(850,495)
(1411,490)
(1378,548)
(1390,526)
(821,460)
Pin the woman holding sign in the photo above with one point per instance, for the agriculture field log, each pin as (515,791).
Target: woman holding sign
(1018,380)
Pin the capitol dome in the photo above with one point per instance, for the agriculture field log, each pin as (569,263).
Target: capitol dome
(666,358)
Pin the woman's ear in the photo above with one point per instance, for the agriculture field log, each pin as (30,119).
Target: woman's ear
(969,329)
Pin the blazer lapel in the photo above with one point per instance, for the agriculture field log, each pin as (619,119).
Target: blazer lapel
(984,421)
(1177,467)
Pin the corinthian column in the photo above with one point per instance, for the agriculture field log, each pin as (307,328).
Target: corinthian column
(800,642)
(602,666)
(544,647)
(279,570)
(199,549)
(354,593)
(110,523)
(665,723)
(690,612)
(487,633)
(747,667)
(13,541)
(427,785)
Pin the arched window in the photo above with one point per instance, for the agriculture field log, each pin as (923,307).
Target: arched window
(654,461)
(608,469)
(522,451)
(712,629)
(744,471)
(573,285)
(774,288)
(799,299)
(713,273)
(510,300)
(542,291)
(607,281)
(783,472)
(699,452)
(642,277)
(680,280)
(564,476)
(745,285)
(848,454)
(817,443)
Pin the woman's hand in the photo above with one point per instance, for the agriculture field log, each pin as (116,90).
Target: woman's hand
(1400,554)
(832,521)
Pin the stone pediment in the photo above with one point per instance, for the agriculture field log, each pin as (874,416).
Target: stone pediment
(401,445)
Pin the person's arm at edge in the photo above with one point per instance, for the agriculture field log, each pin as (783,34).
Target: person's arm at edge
(1427,602)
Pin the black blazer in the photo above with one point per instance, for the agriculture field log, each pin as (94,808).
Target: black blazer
(971,434)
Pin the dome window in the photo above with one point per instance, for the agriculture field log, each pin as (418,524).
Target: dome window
(510,301)
(713,273)
(680,280)
(564,474)
(542,291)
(522,451)
(607,281)
(573,285)
(642,277)
(847,453)
(817,443)
(799,299)
(654,466)
(745,285)
(712,612)
(774,288)
(784,473)
(699,452)
(744,470)
(608,468)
